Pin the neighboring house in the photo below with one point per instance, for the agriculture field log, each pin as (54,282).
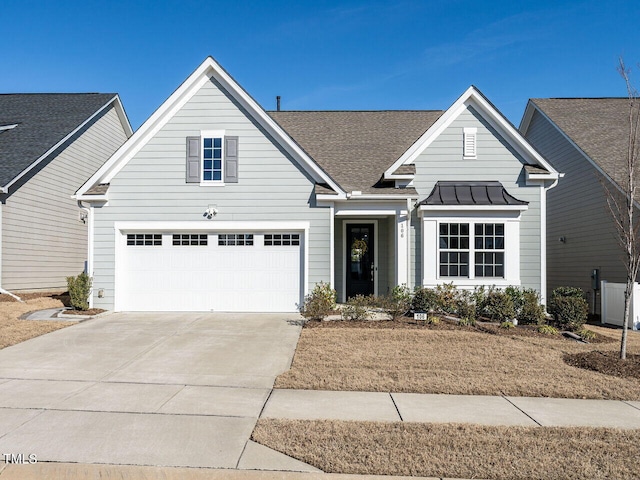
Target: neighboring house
(586,139)
(216,205)
(50,144)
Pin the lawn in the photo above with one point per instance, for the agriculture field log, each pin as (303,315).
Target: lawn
(456,450)
(15,330)
(452,361)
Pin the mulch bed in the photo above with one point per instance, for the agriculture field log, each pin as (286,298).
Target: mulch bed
(91,311)
(608,363)
(63,297)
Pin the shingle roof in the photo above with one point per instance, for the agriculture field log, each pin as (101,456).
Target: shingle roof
(599,126)
(43,120)
(470,193)
(356,147)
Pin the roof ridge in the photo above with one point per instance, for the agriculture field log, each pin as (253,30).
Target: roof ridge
(350,111)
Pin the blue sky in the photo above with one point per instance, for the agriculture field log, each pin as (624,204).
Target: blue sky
(323,55)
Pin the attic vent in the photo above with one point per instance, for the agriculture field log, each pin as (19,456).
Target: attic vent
(470,142)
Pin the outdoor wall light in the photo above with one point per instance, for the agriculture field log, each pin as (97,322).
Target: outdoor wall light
(562,239)
(210,212)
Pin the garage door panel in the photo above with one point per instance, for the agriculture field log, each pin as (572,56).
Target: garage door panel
(209,278)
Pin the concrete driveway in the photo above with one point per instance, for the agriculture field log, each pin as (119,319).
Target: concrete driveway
(147,389)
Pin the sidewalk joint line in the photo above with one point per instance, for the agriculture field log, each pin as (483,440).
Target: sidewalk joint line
(395,405)
(265,404)
(534,420)
(627,403)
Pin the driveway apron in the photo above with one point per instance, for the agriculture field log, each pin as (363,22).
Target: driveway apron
(144,389)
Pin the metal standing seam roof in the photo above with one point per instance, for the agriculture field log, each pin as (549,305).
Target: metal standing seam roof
(43,120)
(470,193)
(356,147)
(598,126)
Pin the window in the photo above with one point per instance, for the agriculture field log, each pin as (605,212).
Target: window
(212,159)
(240,239)
(468,248)
(144,239)
(454,249)
(470,142)
(489,246)
(192,239)
(281,239)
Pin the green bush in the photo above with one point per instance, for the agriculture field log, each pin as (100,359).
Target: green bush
(398,302)
(586,334)
(517,297)
(79,290)
(465,305)
(433,320)
(507,325)
(547,330)
(531,312)
(467,322)
(446,298)
(424,300)
(480,298)
(569,307)
(499,306)
(319,303)
(356,308)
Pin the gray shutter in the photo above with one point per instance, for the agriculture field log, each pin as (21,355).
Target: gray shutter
(193,159)
(231,159)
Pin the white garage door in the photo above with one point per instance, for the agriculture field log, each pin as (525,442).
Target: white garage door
(209,271)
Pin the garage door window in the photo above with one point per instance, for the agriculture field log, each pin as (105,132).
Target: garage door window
(281,239)
(232,239)
(144,239)
(190,239)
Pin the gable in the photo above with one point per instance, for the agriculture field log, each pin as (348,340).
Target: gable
(207,72)
(160,164)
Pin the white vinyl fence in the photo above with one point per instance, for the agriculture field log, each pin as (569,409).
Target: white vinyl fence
(613,304)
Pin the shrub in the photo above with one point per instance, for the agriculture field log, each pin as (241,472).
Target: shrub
(480,298)
(531,311)
(465,305)
(517,297)
(433,320)
(356,308)
(467,322)
(569,307)
(424,300)
(319,303)
(398,302)
(586,334)
(499,306)
(446,298)
(547,330)
(507,325)
(79,289)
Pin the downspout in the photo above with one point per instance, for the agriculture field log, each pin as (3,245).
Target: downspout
(2,290)
(409,205)
(89,211)
(543,240)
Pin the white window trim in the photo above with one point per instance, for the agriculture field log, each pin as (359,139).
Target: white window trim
(469,143)
(211,134)
(431,251)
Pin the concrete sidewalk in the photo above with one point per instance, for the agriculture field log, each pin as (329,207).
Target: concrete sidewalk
(482,410)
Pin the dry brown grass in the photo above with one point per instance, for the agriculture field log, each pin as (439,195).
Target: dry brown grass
(456,450)
(13,330)
(451,362)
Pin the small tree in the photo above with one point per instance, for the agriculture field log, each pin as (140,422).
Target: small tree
(622,204)
(79,290)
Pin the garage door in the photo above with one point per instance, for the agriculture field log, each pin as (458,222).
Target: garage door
(210,271)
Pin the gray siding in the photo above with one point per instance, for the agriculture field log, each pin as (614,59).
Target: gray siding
(271,187)
(496,160)
(43,240)
(576,210)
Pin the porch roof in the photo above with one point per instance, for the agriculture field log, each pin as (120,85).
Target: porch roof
(470,193)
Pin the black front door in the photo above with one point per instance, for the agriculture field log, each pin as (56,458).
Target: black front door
(360,261)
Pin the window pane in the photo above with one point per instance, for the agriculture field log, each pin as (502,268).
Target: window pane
(464,243)
(207,143)
(217,175)
(217,164)
(488,243)
(444,229)
(208,153)
(453,229)
(499,229)
(217,142)
(464,229)
(499,243)
(478,243)
(478,229)
(217,153)
(207,175)
(208,164)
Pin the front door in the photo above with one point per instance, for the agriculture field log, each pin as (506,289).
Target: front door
(360,259)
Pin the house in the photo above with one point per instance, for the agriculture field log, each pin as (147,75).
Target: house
(585,138)
(49,145)
(215,204)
